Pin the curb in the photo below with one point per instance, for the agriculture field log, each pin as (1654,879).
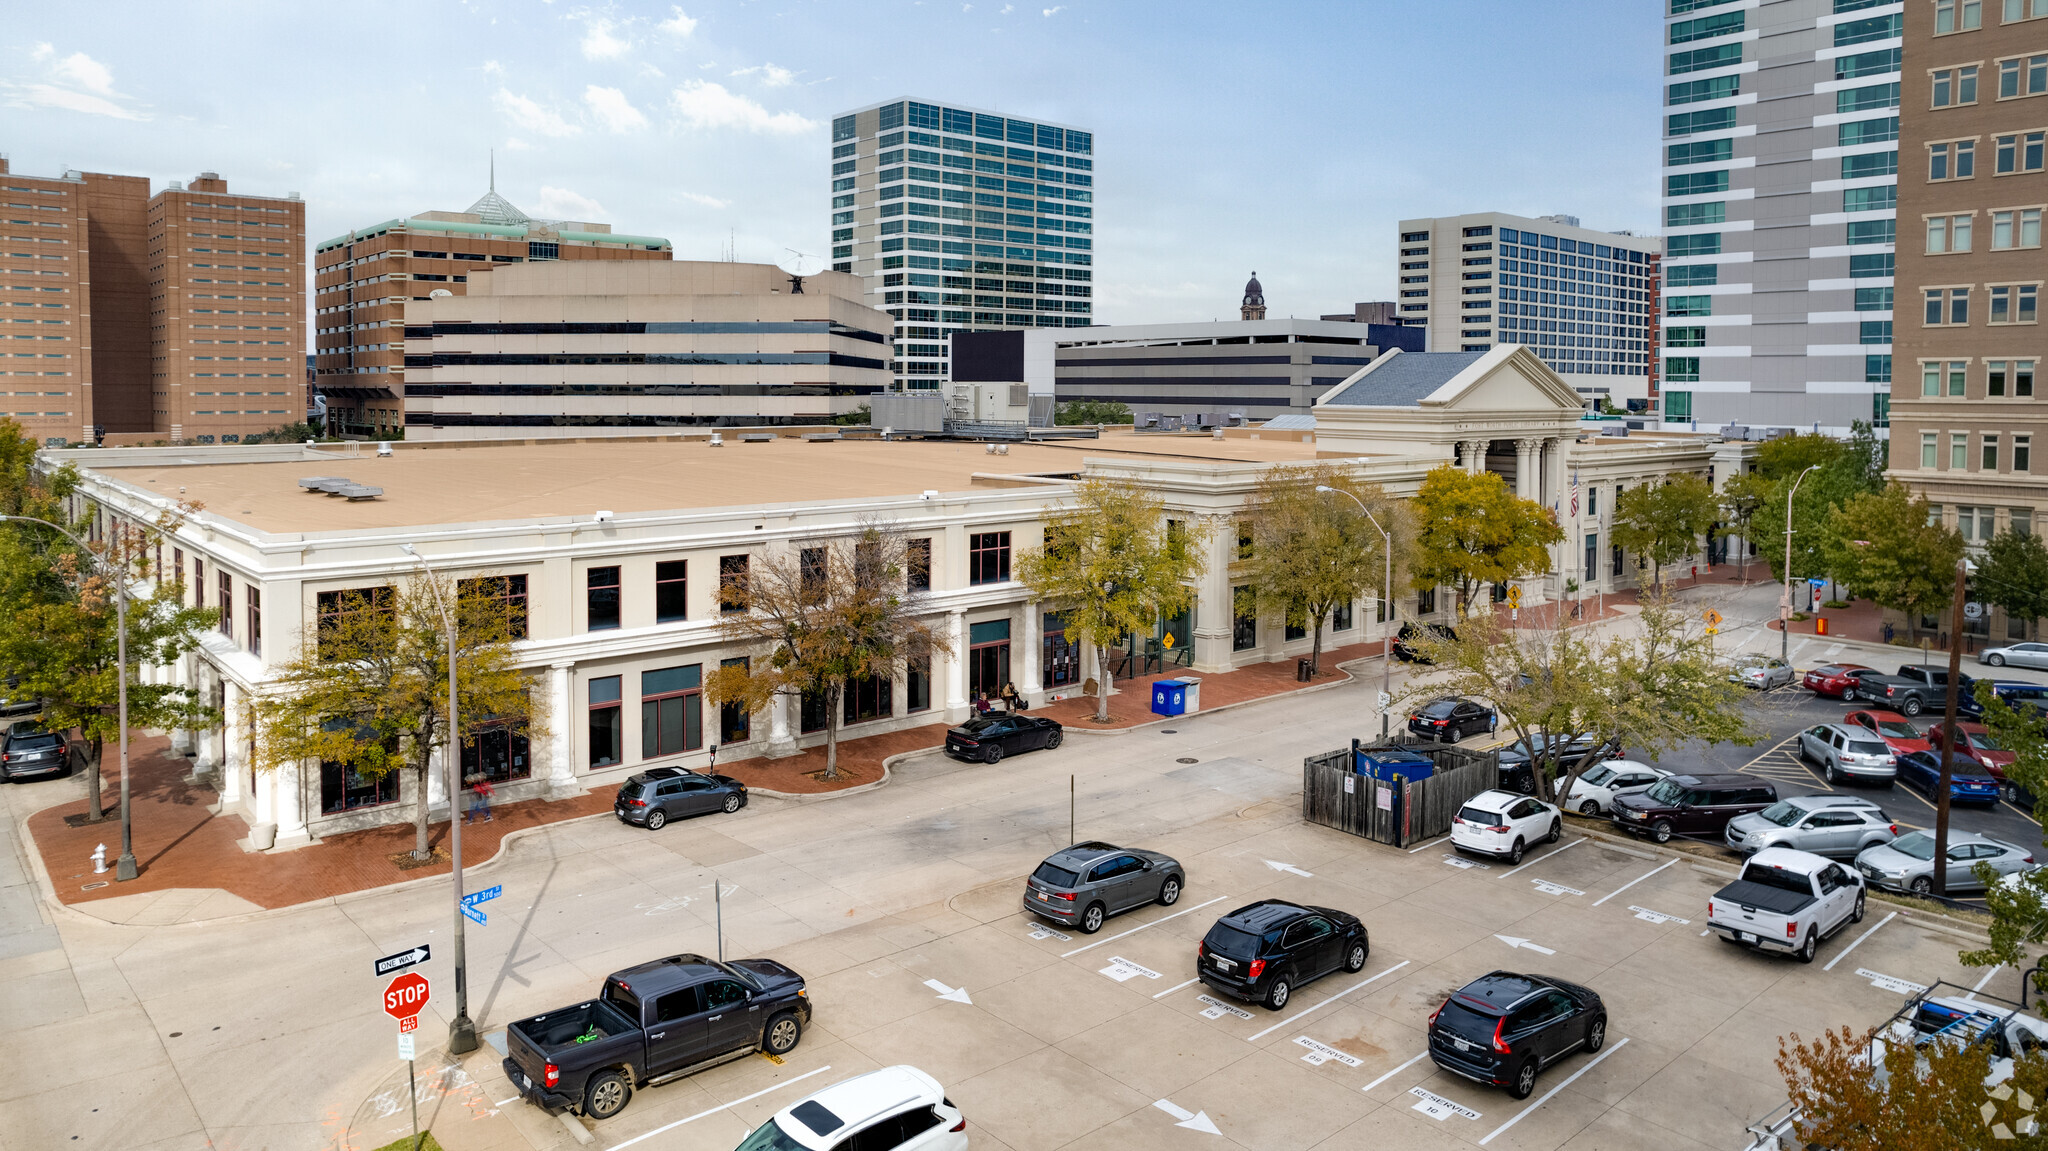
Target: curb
(1343,668)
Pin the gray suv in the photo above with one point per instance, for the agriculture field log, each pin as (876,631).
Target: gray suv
(1082,885)
(1833,825)
(1845,752)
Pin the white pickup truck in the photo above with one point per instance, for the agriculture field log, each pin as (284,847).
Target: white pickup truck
(1787,901)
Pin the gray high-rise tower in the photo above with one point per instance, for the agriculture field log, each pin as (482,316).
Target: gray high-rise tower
(1780,184)
(962,220)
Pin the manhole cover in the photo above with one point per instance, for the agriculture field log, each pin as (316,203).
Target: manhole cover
(1169,731)
(1187,759)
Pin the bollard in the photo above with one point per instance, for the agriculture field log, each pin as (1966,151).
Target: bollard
(99,860)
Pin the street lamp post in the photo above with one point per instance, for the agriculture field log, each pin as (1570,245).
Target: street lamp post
(125,867)
(1785,605)
(1387,598)
(461,1031)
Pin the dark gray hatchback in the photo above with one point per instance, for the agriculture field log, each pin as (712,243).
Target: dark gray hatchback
(1082,885)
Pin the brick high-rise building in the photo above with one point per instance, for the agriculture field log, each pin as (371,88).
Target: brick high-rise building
(364,279)
(141,326)
(1969,408)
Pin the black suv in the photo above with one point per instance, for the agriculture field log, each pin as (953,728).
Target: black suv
(656,796)
(1449,719)
(26,751)
(1404,644)
(1503,1028)
(1262,952)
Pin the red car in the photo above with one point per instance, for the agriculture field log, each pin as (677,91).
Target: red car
(1890,726)
(1975,743)
(1836,679)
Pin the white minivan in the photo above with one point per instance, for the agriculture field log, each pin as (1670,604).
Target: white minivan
(895,1109)
(1504,823)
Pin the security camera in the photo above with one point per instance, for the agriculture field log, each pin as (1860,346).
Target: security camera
(603,516)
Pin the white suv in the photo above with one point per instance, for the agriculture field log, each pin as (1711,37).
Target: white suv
(1594,790)
(895,1109)
(1504,823)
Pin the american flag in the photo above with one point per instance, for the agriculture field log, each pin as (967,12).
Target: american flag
(1575,491)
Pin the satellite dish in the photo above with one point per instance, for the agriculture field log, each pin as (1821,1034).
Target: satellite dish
(800,266)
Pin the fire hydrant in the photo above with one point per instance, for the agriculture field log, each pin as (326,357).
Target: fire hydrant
(99,860)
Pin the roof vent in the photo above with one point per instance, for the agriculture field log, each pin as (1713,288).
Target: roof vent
(340,486)
(383,451)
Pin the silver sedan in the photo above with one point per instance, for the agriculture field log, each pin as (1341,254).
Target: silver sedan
(2018,655)
(1760,671)
(1907,863)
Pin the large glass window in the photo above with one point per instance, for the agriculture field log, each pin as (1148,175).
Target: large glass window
(1244,621)
(607,730)
(601,596)
(227,605)
(343,789)
(1060,662)
(917,685)
(671,710)
(918,564)
(671,591)
(497,753)
(988,657)
(1678,405)
(255,621)
(734,724)
(988,558)
(510,590)
(870,697)
(732,583)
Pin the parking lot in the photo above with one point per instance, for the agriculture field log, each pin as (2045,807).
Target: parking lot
(1047,1038)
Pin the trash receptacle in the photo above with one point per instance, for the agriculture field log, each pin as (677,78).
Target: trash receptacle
(1169,697)
(1303,671)
(1194,693)
(1820,625)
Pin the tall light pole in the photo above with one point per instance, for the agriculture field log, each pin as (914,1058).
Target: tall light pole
(1387,598)
(1785,604)
(125,867)
(461,1031)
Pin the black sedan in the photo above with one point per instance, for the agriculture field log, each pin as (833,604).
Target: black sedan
(28,752)
(1451,719)
(1968,781)
(1554,752)
(1502,1028)
(989,738)
(1412,633)
(654,797)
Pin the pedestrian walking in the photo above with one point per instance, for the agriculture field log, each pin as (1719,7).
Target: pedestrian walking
(479,800)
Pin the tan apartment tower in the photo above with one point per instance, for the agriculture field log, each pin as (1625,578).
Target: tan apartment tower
(365,278)
(46,306)
(1968,414)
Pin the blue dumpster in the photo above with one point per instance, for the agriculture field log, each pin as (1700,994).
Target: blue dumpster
(1389,764)
(1169,697)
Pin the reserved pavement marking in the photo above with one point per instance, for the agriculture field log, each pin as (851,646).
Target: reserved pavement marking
(1395,1071)
(1321,1053)
(1141,927)
(1892,982)
(722,1107)
(1217,1009)
(1859,940)
(1548,888)
(1041,931)
(1122,970)
(1631,883)
(1590,1064)
(1545,855)
(1176,987)
(1463,864)
(1437,1107)
(1658,916)
(1330,1000)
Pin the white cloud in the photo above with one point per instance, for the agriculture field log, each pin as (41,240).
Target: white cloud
(651,71)
(600,44)
(1007,9)
(531,116)
(515,144)
(706,105)
(700,198)
(772,75)
(612,109)
(79,83)
(562,204)
(493,68)
(1054,9)
(680,24)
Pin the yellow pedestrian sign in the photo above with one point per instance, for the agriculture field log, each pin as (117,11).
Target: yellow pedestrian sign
(1712,617)
(1515,596)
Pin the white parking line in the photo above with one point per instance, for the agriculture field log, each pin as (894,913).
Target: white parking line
(1859,939)
(1544,856)
(721,1107)
(1982,982)
(1629,884)
(1176,987)
(1395,1071)
(1141,927)
(1330,1000)
(1523,1114)
(1426,846)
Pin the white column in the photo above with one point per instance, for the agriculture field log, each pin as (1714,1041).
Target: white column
(288,809)
(1031,685)
(1528,484)
(561,746)
(205,741)
(232,757)
(780,742)
(956,666)
(1214,614)
(1475,455)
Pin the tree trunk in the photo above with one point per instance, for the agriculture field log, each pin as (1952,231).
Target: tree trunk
(1315,652)
(94,813)
(831,730)
(1102,685)
(420,850)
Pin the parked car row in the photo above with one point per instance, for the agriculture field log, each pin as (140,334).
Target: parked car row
(1912,689)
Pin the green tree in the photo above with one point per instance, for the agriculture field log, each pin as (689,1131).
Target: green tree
(1470,530)
(858,417)
(297,433)
(1314,551)
(1787,456)
(1113,565)
(2018,906)
(1092,412)
(1881,546)
(1665,522)
(368,690)
(1743,496)
(1865,1094)
(2013,573)
(820,617)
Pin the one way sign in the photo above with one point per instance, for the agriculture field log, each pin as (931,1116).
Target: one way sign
(403,960)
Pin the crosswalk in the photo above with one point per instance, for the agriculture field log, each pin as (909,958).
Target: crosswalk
(1781,764)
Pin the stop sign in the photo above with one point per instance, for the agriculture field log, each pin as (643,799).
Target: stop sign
(405,995)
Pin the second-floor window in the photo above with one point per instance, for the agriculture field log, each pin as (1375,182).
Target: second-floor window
(988,557)
(255,622)
(671,591)
(509,590)
(732,583)
(227,605)
(602,598)
(918,564)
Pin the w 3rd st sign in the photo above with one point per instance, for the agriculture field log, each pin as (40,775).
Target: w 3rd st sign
(404,997)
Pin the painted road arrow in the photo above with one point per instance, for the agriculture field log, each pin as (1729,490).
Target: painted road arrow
(1289,869)
(1511,941)
(956,994)
(1192,1120)
(403,960)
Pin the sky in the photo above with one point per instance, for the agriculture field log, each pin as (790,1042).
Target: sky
(1282,138)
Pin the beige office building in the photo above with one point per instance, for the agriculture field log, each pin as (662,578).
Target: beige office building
(594,346)
(45,306)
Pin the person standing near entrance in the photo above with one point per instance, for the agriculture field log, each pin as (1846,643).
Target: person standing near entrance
(1012,702)
(479,800)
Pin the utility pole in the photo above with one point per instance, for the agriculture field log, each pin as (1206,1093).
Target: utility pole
(1387,599)
(1785,603)
(1948,731)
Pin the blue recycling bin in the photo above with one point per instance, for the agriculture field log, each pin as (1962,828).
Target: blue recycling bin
(1169,697)
(1390,764)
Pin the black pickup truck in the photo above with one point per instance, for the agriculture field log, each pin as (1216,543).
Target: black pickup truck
(653,1023)
(1914,689)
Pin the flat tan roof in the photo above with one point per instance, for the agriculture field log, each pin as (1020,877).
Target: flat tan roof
(529,480)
